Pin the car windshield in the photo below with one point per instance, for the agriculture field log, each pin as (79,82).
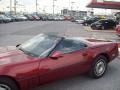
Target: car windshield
(40,45)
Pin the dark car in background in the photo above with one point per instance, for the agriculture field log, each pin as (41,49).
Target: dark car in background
(90,21)
(104,24)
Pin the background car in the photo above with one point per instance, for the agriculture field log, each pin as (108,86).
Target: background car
(90,21)
(5,19)
(61,18)
(118,30)
(22,17)
(10,16)
(29,17)
(73,20)
(35,17)
(50,18)
(104,24)
(46,58)
(80,21)
(1,20)
(42,17)
(16,17)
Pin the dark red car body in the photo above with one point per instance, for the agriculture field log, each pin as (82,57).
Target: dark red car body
(118,30)
(29,72)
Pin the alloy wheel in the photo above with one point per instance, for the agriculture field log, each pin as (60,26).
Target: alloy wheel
(4,87)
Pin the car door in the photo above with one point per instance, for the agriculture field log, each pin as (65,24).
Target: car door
(72,62)
(111,23)
(106,24)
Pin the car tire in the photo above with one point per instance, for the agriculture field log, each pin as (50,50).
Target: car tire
(85,24)
(93,28)
(99,67)
(103,28)
(114,27)
(7,84)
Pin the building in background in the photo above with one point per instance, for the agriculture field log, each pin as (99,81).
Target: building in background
(76,13)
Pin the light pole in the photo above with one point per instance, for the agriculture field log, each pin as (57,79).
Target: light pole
(36,5)
(54,6)
(10,7)
(71,8)
(72,5)
(15,2)
(69,4)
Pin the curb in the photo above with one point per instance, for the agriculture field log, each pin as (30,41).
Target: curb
(89,29)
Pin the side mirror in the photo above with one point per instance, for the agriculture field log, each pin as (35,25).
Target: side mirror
(56,55)
(18,45)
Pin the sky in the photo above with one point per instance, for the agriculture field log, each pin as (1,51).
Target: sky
(46,5)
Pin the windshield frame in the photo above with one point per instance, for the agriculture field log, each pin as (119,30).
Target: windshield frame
(58,39)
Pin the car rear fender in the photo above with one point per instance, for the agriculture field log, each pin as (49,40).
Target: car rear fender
(110,51)
(104,54)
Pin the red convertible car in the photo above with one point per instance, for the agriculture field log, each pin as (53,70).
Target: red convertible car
(47,58)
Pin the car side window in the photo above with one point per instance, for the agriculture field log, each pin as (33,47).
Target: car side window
(111,21)
(67,46)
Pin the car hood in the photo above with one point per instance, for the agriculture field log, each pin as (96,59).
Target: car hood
(7,49)
(98,42)
(11,55)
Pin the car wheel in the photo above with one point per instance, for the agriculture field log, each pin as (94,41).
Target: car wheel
(99,67)
(85,24)
(93,28)
(103,28)
(114,27)
(7,84)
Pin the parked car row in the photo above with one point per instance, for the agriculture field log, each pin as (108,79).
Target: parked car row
(104,24)
(98,23)
(31,17)
(89,21)
(12,18)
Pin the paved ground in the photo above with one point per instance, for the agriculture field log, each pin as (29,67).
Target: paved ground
(18,32)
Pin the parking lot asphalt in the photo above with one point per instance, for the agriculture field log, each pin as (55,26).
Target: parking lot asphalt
(18,32)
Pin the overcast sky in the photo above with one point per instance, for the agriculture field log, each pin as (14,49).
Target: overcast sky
(47,5)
